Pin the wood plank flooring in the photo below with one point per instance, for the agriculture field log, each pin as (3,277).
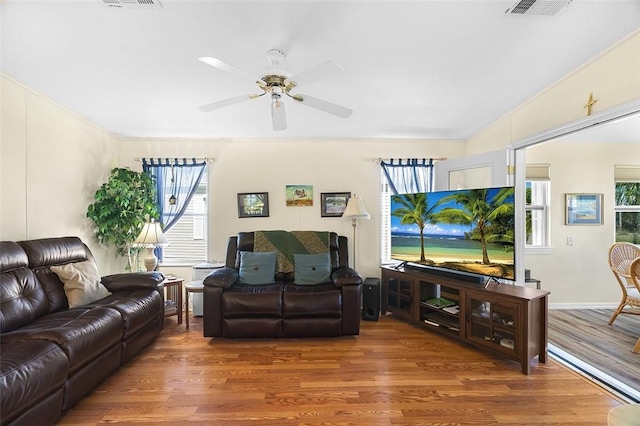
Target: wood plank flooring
(585,334)
(392,374)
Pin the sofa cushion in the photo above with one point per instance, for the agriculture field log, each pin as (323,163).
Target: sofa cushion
(312,269)
(83,334)
(81,282)
(22,298)
(257,268)
(54,251)
(134,307)
(29,371)
(252,301)
(322,300)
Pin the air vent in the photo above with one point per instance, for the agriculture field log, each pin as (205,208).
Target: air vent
(145,4)
(537,7)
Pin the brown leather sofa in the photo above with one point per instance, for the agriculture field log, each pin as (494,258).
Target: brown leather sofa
(51,355)
(282,308)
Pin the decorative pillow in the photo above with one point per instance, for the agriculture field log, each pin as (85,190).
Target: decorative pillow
(81,282)
(311,268)
(257,268)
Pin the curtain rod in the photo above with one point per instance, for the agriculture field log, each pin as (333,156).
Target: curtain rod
(205,159)
(380,159)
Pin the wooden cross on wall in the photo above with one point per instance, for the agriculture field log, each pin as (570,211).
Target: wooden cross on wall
(590,103)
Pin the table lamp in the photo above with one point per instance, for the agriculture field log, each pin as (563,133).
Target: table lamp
(355,210)
(151,237)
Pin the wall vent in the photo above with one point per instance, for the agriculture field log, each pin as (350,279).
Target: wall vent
(537,7)
(145,4)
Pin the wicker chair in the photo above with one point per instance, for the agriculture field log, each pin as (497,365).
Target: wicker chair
(635,277)
(621,259)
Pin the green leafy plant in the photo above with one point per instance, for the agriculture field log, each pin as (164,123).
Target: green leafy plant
(121,206)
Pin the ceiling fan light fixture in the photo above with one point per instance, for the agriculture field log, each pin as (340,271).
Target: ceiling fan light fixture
(276,57)
(277,80)
(275,98)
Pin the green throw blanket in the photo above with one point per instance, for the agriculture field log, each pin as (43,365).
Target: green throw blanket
(288,243)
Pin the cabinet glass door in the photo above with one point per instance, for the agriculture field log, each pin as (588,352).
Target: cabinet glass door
(493,324)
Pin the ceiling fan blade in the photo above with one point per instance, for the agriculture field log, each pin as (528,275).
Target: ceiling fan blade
(326,106)
(323,70)
(278,116)
(215,62)
(226,102)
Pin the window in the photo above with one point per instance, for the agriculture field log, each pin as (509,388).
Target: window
(537,213)
(385,219)
(536,208)
(188,237)
(627,208)
(401,176)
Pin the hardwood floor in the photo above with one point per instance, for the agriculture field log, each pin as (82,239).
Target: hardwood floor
(392,374)
(585,334)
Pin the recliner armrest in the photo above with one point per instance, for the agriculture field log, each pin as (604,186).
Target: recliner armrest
(119,282)
(345,276)
(223,277)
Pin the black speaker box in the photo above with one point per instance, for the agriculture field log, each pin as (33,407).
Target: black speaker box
(371,299)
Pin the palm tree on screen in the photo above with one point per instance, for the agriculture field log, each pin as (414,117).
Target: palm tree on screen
(477,209)
(415,209)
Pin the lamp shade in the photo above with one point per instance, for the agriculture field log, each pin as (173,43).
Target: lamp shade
(151,236)
(356,209)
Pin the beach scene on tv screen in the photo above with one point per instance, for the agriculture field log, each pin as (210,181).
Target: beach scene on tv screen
(465,230)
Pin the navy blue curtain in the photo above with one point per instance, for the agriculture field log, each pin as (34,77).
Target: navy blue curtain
(409,176)
(176,179)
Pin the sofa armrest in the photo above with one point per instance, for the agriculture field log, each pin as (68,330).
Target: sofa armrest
(345,276)
(223,277)
(119,282)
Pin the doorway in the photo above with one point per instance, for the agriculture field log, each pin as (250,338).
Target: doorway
(582,157)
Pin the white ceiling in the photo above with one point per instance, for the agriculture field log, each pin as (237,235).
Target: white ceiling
(411,69)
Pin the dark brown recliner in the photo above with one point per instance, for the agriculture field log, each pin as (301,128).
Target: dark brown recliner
(51,355)
(282,309)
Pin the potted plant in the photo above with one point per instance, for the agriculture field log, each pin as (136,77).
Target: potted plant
(121,206)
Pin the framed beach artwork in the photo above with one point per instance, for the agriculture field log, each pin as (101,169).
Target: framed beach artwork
(583,209)
(333,204)
(299,195)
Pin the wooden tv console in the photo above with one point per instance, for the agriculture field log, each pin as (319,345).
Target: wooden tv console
(504,318)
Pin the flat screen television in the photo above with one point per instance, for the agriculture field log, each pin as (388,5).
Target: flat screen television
(469,231)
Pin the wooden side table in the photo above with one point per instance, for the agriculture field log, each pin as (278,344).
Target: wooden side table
(173,297)
(192,287)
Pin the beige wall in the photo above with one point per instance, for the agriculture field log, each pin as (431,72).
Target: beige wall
(579,274)
(576,275)
(269,165)
(613,77)
(52,162)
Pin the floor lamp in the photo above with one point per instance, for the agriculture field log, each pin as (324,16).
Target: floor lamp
(355,210)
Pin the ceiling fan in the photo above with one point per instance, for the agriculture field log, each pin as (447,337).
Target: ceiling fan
(276,81)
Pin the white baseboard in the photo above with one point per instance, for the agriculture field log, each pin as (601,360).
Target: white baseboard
(559,306)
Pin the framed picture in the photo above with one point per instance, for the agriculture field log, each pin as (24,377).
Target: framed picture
(299,195)
(584,209)
(253,204)
(332,204)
